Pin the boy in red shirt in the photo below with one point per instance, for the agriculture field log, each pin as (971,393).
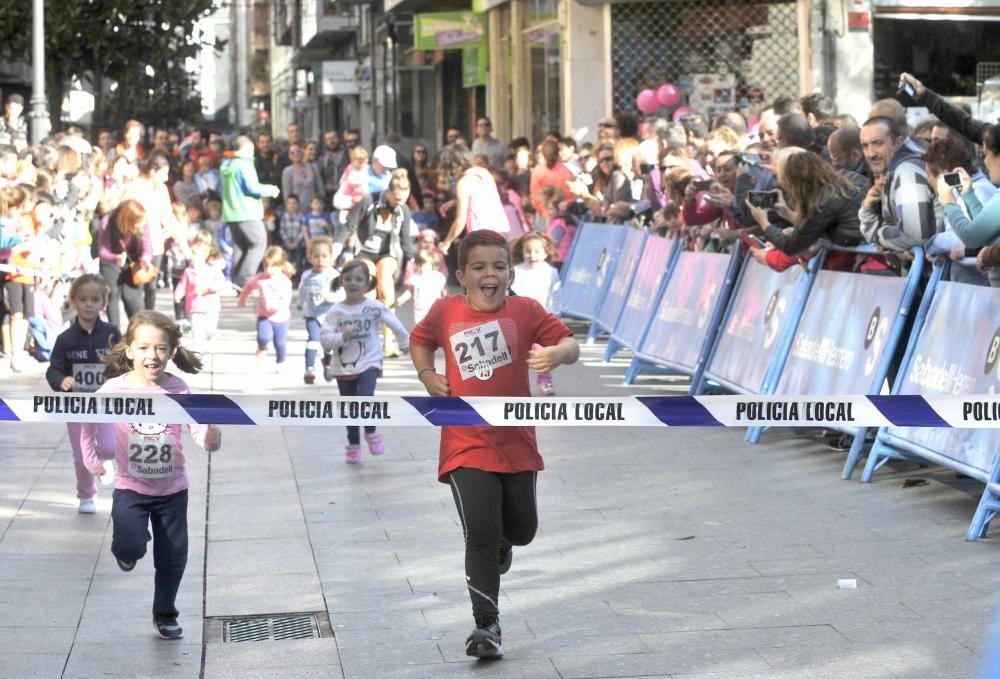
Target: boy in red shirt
(487,339)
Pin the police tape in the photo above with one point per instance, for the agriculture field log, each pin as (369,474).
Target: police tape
(968,411)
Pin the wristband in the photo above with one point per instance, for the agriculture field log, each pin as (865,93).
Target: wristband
(422,370)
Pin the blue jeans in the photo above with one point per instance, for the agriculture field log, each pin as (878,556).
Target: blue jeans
(266,330)
(364,385)
(312,343)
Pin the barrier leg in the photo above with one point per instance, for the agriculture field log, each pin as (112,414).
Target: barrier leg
(988,507)
(614,346)
(854,456)
(879,455)
(753,434)
(634,368)
(593,332)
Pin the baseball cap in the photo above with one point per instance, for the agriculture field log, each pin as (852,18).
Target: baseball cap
(385,155)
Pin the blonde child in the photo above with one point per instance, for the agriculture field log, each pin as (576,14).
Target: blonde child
(274,303)
(316,297)
(179,252)
(534,277)
(150,481)
(352,331)
(77,364)
(492,471)
(200,287)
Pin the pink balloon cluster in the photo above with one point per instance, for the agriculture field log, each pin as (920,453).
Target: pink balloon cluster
(650,100)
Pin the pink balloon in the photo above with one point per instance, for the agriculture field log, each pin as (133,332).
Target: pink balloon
(682,111)
(668,95)
(647,102)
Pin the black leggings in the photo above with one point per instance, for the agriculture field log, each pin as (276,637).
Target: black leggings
(494,508)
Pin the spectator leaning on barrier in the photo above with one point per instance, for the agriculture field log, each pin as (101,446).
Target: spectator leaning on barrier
(898,211)
(822,203)
(984,226)
(845,150)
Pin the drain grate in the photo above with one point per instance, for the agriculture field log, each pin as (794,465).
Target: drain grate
(271,628)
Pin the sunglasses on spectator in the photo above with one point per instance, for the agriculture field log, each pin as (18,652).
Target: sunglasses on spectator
(606,159)
(611,125)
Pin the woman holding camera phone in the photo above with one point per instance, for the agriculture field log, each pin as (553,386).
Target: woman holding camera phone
(822,203)
(984,227)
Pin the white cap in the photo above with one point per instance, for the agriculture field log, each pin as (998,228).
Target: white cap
(386,156)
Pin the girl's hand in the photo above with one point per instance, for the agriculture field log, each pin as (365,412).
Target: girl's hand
(781,207)
(966,179)
(213,438)
(348,332)
(759,215)
(435,384)
(944,193)
(67,383)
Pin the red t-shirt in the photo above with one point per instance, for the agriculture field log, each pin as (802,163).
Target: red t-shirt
(486,355)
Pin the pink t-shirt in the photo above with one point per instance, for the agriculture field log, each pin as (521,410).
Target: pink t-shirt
(274,301)
(149,456)
(200,288)
(485,209)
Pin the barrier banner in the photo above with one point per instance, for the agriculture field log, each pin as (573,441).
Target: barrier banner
(974,411)
(757,321)
(943,364)
(621,279)
(645,288)
(595,250)
(842,334)
(678,330)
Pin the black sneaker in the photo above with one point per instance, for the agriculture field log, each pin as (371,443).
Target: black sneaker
(484,642)
(168,629)
(506,557)
(125,565)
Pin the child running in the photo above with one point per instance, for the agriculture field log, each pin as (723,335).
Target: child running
(200,288)
(77,364)
(425,283)
(492,470)
(274,303)
(536,278)
(316,296)
(150,483)
(353,331)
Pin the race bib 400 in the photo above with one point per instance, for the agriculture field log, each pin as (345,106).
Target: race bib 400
(88,377)
(480,350)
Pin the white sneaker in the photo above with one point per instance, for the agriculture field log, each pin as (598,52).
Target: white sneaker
(87,506)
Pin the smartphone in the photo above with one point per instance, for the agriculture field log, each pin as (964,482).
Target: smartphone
(702,184)
(749,159)
(953,179)
(646,168)
(906,88)
(762,199)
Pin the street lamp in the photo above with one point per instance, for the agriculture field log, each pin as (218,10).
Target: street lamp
(39,115)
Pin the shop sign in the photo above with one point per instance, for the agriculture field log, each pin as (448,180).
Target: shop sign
(474,62)
(449,30)
(338,78)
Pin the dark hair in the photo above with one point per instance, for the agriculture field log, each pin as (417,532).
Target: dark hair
(118,363)
(518,247)
(628,124)
(550,153)
(351,266)
(568,141)
(946,154)
(820,105)
(156,160)
(455,159)
(695,125)
(519,143)
(482,237)
(991,138)
(734,121)
(670,211)
(794,130)
(786,104)
(889,123)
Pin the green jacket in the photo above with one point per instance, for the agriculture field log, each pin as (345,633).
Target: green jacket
(241,190)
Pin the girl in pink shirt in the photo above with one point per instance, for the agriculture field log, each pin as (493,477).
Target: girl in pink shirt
(274,303)
(200,288)
(150,482)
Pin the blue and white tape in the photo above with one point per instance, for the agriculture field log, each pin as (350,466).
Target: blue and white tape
(968,411)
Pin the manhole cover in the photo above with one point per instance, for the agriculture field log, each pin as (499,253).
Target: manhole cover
(270,628)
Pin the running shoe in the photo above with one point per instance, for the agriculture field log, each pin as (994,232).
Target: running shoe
(547,389)
(310,376)
(375,444)
(87,506)
(484,642)
(352,454)
(125,565)
(168,628)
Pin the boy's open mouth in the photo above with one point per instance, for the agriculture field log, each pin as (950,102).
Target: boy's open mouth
(489,289)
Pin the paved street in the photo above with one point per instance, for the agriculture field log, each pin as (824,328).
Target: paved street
(683,553)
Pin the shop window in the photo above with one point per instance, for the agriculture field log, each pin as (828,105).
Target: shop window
(717,51)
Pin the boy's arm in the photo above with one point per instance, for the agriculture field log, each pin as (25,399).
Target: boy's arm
(423,361)
(545,359)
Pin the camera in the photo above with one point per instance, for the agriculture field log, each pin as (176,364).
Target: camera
(749,159)
(952,179)
(646,168)
(702,184)
(762,199)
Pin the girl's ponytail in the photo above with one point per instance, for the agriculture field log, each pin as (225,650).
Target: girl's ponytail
(187,360)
